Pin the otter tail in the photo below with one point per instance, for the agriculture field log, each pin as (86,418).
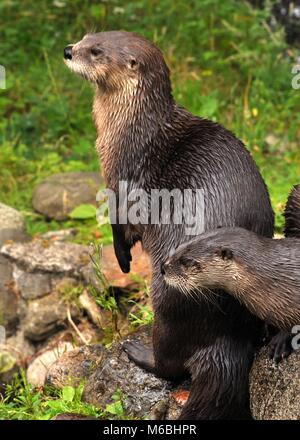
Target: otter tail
(292,214)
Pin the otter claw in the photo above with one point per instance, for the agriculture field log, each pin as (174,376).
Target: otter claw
(139,354)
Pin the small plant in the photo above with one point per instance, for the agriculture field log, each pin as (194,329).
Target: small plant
(104,296)
(144,315)
(70,292)
(117,407)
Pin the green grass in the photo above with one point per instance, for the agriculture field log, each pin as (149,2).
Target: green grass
(24,402)
(226,63)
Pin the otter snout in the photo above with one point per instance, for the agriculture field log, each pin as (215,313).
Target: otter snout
(68,52)
(164,267)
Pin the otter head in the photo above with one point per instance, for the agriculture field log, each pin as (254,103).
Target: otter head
(207,262)
(119,60)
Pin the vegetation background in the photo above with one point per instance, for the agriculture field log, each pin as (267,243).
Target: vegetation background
(227,64)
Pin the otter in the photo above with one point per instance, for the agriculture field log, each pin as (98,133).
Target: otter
(262,273)
(146,139)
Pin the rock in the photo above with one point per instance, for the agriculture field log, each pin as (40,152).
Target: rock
(145,394)
(9,298)
(72,416)
(61,235)
(12,225)
(45,316)
(43,256)
(15,352)
(275,389)
(39,367)
(12,228)
(75,366)
(94,312)
(59,194)
(32,285)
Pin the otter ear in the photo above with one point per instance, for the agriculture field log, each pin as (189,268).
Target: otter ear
(133,63)
(225,253)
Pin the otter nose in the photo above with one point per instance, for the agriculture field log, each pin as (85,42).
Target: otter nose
(68,52)
(164,268)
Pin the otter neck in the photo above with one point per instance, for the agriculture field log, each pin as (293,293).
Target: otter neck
(133,126)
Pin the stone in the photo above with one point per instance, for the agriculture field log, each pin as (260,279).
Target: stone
(9,298)
(61,235)
(94,312)
(45,316)
(275,389)
(59,194)
(32,285)
(15,352)
(146,396)
(39,367)
(44,256)
(41,267)
(12,228)
(12,225)
(72,416)
(75,366)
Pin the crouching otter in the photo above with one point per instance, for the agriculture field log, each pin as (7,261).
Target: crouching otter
(262,273)
(150,142)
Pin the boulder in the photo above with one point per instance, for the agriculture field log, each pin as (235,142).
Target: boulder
(12,225)
(145,395)
(275,389)
(15,352)
(75,366)
(9,298)
(56,257)
(32,285)
(12,228)
(59,194)
(39,367)
(46,316)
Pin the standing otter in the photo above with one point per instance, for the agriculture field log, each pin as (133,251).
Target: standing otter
(147,140)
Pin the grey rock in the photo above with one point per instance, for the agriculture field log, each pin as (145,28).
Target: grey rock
(14,354)
(275,389)
(143,392)
(12,225)
(39,367)
(12,228)
(61,235)
(72,416)
(59,194)
(75,366)
(45,316)
(20,346)
(32,285)
(43,256)
(9,298)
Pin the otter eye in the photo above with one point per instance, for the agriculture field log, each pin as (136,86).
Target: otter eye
(96,51)
(133,63)
(184,261)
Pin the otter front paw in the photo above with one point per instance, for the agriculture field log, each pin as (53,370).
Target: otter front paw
(280,346)
(124,258)
(140,355)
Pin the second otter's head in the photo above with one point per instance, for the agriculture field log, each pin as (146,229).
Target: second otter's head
(118,60)
(210,261)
